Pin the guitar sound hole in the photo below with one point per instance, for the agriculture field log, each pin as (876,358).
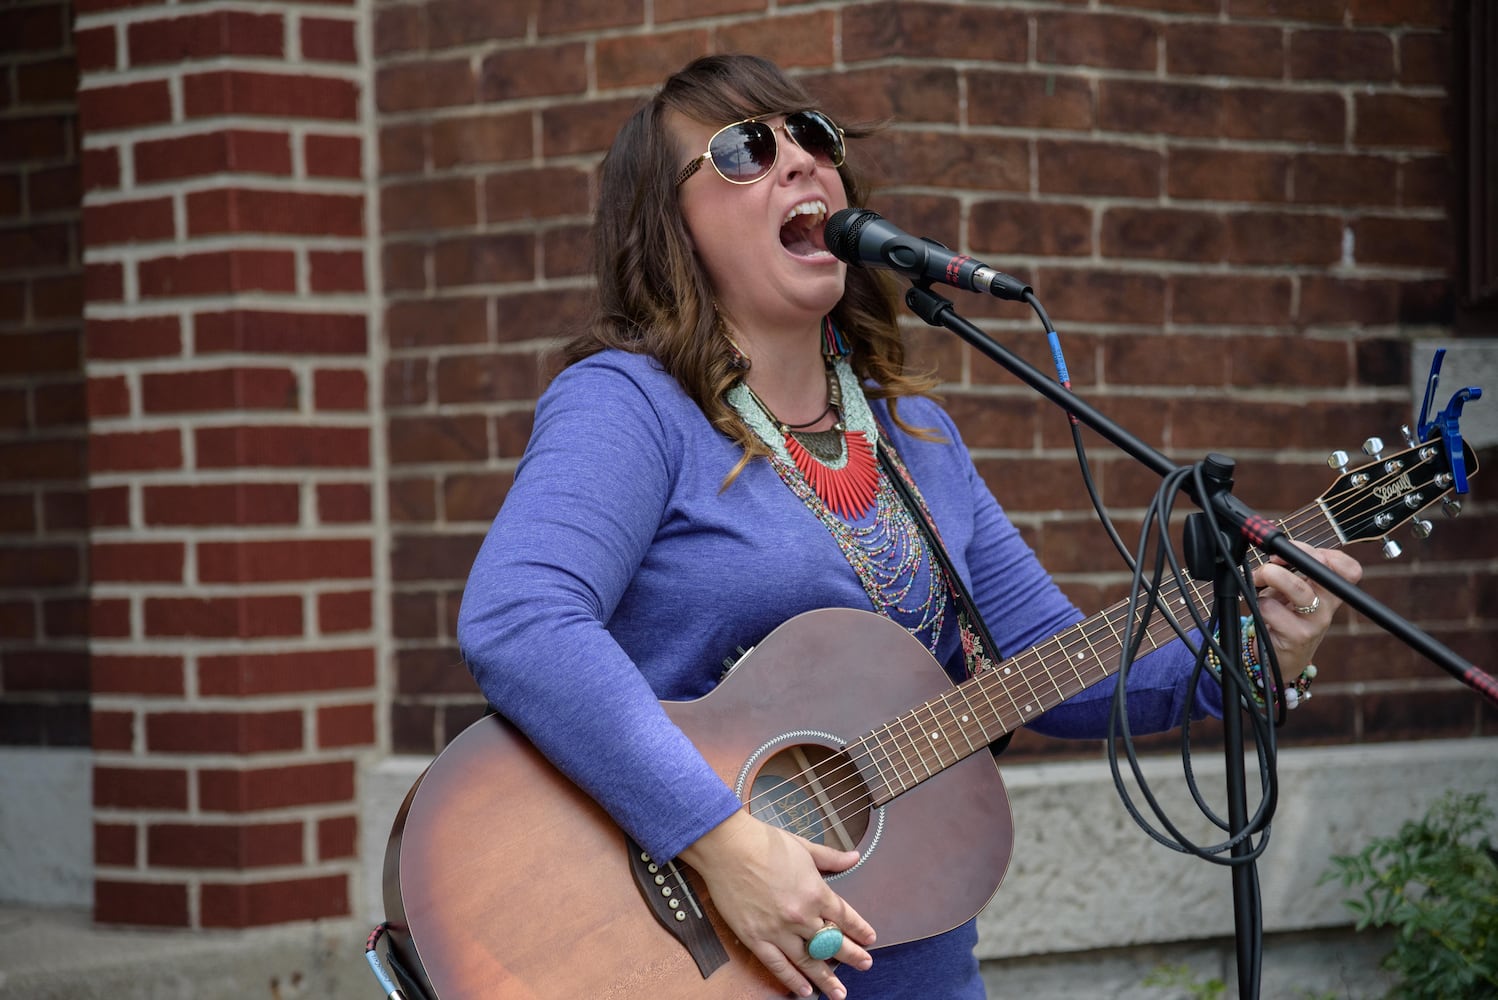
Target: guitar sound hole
(814,792)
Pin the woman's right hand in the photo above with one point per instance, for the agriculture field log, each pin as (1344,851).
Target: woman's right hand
(767,886)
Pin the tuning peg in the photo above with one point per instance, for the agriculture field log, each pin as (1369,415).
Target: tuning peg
(1422,528)
(1338,460)
(1452,506)
(1374,447)
(1391,548)
(1409,436)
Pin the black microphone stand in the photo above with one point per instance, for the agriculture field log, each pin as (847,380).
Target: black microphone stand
(1247,527)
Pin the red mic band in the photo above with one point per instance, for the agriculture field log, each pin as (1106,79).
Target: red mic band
(1482,682)
(1256,529)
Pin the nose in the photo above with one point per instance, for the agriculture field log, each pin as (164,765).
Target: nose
(793,160)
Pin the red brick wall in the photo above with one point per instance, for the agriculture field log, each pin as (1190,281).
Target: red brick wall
(44,616)
(231,458)
(1235,210)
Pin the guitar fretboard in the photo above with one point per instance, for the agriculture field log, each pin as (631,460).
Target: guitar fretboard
(937,734)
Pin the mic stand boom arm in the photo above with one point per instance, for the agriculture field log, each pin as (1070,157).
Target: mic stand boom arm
(1233,513)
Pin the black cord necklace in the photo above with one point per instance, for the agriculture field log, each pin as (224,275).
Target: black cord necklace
(834,405)
(801,427)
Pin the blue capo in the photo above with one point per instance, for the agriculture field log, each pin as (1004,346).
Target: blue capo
(1446,422)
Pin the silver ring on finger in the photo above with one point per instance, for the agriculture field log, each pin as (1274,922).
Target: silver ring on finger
(1309,609)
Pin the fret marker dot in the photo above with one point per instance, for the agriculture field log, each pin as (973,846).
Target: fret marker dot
(964,718)
(935,737)
(1029,708)
(1080,655)
(1008,671)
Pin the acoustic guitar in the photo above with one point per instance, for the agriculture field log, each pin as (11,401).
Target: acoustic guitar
(504,880)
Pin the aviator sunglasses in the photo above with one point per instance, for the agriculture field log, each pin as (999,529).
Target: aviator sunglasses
(746,151)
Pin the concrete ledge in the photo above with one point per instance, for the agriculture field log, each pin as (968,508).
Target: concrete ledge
(1084,876)
(1295,967)
(46,827)
(51,954)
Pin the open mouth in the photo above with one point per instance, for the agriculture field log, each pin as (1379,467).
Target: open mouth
(801,231)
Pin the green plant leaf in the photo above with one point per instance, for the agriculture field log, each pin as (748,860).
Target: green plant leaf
(1436,883)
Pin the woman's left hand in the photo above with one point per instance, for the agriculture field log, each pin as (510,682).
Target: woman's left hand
(1296,611)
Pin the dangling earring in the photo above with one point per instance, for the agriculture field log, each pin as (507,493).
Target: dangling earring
(737,360)
(834,345)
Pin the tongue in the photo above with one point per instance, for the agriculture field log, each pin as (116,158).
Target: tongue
(799,247)
(798,236)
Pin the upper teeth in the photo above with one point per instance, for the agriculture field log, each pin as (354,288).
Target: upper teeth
(816,207)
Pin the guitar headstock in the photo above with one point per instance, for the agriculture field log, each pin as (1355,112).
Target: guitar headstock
(1369,502)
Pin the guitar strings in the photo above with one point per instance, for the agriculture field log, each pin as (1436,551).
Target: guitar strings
(835,786)
(1044,659)
(1291,524)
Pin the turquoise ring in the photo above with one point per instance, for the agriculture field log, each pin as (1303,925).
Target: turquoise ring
(825,943)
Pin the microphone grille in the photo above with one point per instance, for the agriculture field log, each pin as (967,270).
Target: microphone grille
(842,231)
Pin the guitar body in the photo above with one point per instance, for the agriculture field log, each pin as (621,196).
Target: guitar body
(502,879)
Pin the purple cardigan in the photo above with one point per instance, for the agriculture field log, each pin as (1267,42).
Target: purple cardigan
(618,574)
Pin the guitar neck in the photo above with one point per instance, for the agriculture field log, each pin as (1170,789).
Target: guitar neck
(1364,504)
(932,737)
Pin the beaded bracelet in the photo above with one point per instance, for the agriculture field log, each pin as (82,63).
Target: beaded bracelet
(1300,692)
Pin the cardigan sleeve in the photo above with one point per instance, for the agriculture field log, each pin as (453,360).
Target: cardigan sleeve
(587,500)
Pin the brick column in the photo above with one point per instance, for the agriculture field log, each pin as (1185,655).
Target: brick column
(229,358)
(43,541)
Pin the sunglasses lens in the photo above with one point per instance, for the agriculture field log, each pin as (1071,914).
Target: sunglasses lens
(744,152)
(815,133)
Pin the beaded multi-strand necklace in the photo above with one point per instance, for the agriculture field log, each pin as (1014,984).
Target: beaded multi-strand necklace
(835,474)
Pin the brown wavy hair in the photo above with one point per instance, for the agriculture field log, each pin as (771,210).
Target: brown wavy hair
(653,297)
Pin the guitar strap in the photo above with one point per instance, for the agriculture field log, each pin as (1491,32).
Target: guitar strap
(979,649)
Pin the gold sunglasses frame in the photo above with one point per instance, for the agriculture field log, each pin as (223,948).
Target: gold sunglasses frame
(696,164)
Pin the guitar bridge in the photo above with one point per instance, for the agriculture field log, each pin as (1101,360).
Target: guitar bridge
(674,903)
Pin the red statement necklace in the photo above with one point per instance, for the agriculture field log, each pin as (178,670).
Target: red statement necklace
(847,488)
(838,464)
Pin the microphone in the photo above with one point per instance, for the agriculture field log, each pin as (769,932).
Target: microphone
(863,238)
